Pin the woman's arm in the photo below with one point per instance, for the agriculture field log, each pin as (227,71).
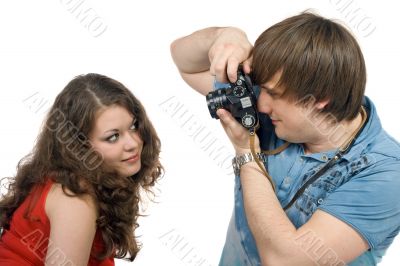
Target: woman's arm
(72,227)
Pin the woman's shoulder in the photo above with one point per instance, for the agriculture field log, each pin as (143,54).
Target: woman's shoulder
(64,201)
(72,223)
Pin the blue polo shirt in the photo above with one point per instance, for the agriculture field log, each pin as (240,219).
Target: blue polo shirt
(362,189)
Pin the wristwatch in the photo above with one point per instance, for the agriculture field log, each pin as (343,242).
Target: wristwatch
(240,160)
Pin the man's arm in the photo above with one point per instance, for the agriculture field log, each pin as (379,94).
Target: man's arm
(211,52)
(219,51)
(323,240)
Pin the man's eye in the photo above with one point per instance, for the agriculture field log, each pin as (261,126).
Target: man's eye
(272,94)
(113,138)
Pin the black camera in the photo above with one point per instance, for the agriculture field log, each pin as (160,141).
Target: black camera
(238,98)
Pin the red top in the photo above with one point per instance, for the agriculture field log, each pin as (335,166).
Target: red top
(27,240)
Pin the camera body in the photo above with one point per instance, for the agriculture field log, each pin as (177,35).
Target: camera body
(238,98)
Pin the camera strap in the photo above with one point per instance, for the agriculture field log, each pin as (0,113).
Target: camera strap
(345,148)
(272,152)
(260,165)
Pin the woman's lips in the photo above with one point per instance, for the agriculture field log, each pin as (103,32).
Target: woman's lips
(132,159)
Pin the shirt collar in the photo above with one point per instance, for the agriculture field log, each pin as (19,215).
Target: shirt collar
(369,132)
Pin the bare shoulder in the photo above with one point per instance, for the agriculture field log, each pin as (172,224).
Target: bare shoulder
(59,202)
(72,226)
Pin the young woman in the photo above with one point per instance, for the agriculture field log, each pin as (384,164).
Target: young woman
(75,198)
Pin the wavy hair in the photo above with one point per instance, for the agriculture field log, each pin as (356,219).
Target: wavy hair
(64,154)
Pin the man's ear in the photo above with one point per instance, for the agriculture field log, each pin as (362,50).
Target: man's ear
(321,104)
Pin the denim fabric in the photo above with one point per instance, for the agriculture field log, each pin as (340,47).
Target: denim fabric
(362,190)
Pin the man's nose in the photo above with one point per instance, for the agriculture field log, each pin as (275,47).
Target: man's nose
(264,103)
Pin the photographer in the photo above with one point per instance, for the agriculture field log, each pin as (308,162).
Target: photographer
(333,198)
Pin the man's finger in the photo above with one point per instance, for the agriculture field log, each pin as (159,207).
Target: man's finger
(233,64)
(226,118)
(218,68)
(247,65)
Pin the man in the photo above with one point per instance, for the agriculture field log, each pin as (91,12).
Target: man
(336,200)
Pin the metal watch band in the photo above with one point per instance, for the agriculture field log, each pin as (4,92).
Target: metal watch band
(240,160)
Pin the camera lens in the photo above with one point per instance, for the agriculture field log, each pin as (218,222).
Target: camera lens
(238,98)
(215,100)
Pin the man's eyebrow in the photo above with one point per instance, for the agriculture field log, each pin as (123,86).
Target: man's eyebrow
(267,88)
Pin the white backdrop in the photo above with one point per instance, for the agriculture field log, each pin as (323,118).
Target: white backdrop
(44,44)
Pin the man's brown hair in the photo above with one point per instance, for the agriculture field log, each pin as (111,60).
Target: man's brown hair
(318,58)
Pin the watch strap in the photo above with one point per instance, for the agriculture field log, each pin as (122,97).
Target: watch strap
(240,160)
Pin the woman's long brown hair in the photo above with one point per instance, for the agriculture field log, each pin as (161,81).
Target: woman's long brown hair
(64,154)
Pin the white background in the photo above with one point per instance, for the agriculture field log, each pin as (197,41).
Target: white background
(44,44)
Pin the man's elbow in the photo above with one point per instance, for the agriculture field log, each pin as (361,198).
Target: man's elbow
(287,257)
(174,51)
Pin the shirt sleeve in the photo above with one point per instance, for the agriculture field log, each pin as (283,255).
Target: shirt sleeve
(370,203)
(220,85)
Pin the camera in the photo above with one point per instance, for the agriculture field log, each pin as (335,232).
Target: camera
(238,98)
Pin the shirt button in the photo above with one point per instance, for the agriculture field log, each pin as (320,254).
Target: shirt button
(324,158)
(320,201)
(287,180)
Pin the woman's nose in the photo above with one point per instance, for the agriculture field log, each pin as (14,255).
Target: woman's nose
(131,141)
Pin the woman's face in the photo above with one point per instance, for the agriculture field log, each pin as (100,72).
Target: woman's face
(115,136)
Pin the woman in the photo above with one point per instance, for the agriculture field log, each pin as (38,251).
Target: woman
(75,198)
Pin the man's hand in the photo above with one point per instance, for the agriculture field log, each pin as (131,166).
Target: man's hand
(238,135)
(230,48)
(211,53)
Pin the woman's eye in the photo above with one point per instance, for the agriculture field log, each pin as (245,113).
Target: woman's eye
(113,138)
(134,126)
